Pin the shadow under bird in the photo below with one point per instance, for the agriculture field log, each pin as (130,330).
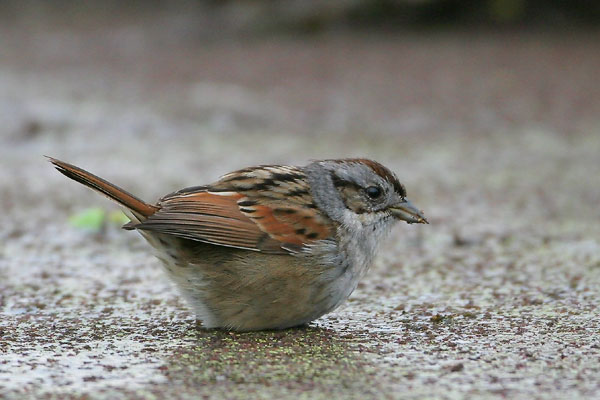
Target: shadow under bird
(272,246)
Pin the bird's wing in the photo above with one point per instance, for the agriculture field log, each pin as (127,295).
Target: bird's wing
(268,215)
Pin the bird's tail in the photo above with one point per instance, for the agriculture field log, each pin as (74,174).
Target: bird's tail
(139,208)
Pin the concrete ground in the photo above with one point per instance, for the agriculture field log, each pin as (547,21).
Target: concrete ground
(495,135)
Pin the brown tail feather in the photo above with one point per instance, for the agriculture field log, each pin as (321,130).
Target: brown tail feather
(113,192)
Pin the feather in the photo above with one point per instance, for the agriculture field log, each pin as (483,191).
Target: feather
(267,209)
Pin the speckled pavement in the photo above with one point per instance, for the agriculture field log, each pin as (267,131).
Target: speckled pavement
(496,137)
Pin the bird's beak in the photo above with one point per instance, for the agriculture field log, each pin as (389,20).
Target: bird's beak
(409,213)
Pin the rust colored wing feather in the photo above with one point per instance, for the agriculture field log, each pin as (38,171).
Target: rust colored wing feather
(238,220)
(210,218)
(290,224)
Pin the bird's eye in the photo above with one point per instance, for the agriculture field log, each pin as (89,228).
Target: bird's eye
(373,192)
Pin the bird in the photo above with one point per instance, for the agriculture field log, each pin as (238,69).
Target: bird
(267,247)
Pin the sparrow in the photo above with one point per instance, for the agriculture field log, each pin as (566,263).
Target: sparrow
(271,246)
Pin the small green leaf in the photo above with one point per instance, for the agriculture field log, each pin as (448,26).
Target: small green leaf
(91,218)
(118,217)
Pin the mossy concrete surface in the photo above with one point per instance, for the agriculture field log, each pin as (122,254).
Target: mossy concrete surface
(496,137)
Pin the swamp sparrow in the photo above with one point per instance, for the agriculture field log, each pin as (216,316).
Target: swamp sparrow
(272,246)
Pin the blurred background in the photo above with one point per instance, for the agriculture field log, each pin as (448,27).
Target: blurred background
(488,111)
(454,95)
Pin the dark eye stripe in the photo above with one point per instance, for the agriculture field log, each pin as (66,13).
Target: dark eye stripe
(381,171)
(339,182)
